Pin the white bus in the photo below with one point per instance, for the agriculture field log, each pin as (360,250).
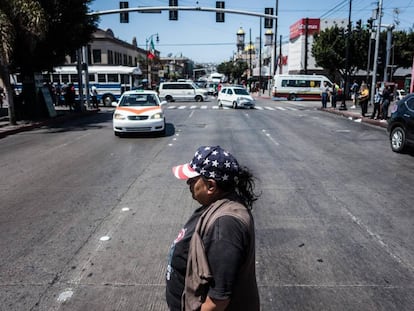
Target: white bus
(110,81)
(295,87)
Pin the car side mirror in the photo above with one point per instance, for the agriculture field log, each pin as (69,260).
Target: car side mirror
(114,104)
(163,103)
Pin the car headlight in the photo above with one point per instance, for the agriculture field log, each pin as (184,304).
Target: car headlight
(119,116)
(157,116)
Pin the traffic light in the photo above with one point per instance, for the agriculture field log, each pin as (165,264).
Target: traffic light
(219,15)
(268,23)
(358,26)
(173,13)
(123,16)
(370,21)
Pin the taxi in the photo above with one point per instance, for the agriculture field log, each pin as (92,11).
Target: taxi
(139,111)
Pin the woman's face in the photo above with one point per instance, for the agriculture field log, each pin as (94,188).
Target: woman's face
(199,189)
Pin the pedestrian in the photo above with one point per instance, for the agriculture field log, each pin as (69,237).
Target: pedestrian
(211,264)
(377,102)
(334,94)
(363,99)
(354,93)
(70,96)
(386,97)
(94,96)
(324,94)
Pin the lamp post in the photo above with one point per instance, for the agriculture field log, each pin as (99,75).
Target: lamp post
(269,42)
(147,42)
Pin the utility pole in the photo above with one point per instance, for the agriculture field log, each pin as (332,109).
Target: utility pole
(377,39)
(346,84)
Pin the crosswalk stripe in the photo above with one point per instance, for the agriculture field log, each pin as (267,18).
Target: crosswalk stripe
(204,107)
(281,108)
(269,108)
(182,107)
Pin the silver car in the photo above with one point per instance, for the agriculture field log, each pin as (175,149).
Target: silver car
(235,97)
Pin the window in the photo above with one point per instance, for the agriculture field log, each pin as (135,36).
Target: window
(73,78)
(55,78)
(65,78)
(113,77)
(96,55)
(101,78)
(91,77)
(110,57)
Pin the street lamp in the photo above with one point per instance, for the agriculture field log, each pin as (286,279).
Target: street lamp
(269,42)
(149,44)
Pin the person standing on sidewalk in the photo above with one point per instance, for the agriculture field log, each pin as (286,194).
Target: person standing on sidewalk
(354,93)
(324,94)
(377,102)
(334,94)
(211,263)
(363,99)
(386,97)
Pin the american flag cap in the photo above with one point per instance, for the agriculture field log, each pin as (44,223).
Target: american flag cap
(212,162)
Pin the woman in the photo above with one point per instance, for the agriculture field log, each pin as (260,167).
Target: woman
(363,99)
(211,264)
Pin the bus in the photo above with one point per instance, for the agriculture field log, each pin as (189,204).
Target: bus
(294,87)
(110,81)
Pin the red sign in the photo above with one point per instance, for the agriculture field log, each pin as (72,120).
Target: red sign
(299,28)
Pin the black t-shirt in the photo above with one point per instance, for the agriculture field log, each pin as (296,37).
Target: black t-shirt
(226,245)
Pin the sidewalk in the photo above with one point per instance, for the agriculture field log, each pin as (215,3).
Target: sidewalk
(63,114)
(353,114)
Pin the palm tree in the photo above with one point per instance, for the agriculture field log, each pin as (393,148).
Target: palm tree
(17,17)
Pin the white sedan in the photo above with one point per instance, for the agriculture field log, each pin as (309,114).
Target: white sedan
(235,96)
(139,111)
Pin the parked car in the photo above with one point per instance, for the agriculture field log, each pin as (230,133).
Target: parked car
(138,111)
(235,97)
(401,124)
(399,94)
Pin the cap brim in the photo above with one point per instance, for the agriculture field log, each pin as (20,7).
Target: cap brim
(184,171)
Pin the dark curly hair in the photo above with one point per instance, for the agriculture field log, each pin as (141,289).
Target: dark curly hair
(243,186)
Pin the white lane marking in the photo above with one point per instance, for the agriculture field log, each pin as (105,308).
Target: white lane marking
(269,108)
(203,107)
(281,108)
(182,107)
(270,137)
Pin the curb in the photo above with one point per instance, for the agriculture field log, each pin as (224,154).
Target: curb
(355,116)
(14,129)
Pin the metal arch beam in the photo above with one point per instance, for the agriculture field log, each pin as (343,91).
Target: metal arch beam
(180,8)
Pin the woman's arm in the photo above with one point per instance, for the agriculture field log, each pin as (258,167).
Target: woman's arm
(214,305)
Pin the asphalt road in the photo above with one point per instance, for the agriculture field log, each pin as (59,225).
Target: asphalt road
(334,222)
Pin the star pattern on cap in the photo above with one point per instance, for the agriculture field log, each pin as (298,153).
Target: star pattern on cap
(216,163)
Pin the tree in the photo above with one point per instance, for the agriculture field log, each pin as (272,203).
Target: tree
(43,33)
(329,50)
(19,19)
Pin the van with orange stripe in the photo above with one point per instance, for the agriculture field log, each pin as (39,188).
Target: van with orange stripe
(139,111)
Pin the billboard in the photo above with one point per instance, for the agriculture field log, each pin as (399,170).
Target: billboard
(299,28)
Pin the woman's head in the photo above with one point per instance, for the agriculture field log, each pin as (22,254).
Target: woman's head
(213,173)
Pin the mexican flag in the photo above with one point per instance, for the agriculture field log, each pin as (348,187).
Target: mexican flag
(151,51)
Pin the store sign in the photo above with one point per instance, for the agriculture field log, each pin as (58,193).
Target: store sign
(299,28)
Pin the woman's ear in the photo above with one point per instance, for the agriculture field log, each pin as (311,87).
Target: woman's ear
(211,185)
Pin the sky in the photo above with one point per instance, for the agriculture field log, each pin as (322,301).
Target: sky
(197,36)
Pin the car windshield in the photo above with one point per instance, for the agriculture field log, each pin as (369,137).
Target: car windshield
(241,91)
(138,100)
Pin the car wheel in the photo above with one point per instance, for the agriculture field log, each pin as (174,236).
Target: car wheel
(397,139)
(169,98)
(107,100)
(292,97)
(234,105)
(198,99)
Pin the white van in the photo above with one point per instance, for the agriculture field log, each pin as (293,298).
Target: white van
(298,86)
(172,91)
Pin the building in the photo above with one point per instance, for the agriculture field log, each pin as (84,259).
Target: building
(301,33)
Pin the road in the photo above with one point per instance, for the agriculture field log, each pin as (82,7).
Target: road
(87,218)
